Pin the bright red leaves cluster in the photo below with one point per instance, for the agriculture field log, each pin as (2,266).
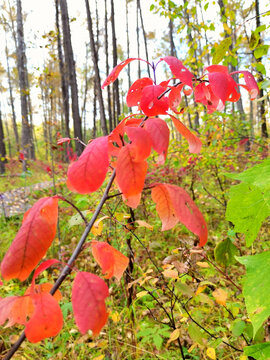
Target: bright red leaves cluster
(126,149)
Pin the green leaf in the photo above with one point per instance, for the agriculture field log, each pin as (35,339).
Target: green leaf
(225,252)
(258,175)
(249,203)
(254,40)
(247,208)
(196,334)
(261,51)
(76,219)
(258,351)
(238,327)
(221,49)
(158,341)
(206,6)
(152,7)
(256,288)
(260,28)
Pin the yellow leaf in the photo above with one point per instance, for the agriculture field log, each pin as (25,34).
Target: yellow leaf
(115,317)
(141,294)
(100,357)
(174,335)
(121,216)
(98,226)
(203,264)
(142,223)
(172,274)
(192,347)
(220,296)
(243,357)
(200,289)
(211,353)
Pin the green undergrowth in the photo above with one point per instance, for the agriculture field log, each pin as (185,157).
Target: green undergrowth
(209,311)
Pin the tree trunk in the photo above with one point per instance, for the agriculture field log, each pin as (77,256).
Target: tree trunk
(96,70)
(26,141)
(116,83)
(107,69)
(128,52)
(11,99)
(144,36)
(63,72)
(261,104)
(2,146)
(138,40)
(69,59)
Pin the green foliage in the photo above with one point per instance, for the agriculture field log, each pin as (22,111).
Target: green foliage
(225,252)
(257,287)
(221,50)
(258,351)
(249,203)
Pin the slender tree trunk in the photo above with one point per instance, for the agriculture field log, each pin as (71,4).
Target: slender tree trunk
(11,99)
(144,35)
(138,40)
(27,144)
(63,72)
(8,139)
(69,59)
(2,146)
(107,69)
(96,70)
(128,45)
(116,83)
(261,104)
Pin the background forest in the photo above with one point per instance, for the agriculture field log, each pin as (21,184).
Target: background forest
(175,299)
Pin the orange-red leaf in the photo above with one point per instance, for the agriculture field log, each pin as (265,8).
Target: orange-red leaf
(112,261)
(175,98)
(47,319)
(150,104)
(88,301)
(116,71)
(135,91)
(194,142)
(63,140)
(173,205)
(140,143)
(159,133)
(179,70)
(32,241)
(87,174)
(130,175)
(164,206)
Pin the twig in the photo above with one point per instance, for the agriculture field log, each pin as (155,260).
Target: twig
(74,206)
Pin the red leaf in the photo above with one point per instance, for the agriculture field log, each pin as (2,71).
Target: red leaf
(193,141)
(116,71)
(179,70)
(112,261)
(18,309)
(47,319)
(63,140)
(175,98)
(32,241)
(130,175)
(173,205)
(140,143)
(87,174)
(21,156)
(6,305)
(159,133)
(42,267)
(88,301)
(132,201)
(135,91)
(251,84)
(150,104)
(164,206)
(203,93)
